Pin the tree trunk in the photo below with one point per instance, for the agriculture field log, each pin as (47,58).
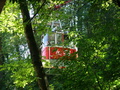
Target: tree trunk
(1,63)
(35,54)
(2,3)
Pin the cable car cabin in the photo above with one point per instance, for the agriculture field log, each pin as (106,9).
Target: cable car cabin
(53,48)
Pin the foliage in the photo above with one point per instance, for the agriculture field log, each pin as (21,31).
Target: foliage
(17,71)
(93,27)
(97,65)
(14,49)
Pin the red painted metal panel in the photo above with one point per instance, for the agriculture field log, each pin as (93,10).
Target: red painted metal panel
(45,53)
(56,52)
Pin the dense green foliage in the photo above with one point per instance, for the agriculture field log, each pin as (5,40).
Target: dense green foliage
(97,37)
(94,27)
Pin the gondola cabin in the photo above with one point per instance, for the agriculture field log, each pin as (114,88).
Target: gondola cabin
(53,46)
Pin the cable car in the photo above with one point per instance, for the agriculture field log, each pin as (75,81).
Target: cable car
(53,47)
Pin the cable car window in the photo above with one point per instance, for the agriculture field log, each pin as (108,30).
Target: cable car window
(59,38)
(66,37)
(52,39)
(45,40)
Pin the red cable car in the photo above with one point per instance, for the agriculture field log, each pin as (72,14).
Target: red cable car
(53,43)
(53,50)
(53,46)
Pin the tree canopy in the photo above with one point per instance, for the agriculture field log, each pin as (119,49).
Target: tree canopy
(93,28)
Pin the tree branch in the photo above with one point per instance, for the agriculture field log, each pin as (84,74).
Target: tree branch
(38,9)
(2,3)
